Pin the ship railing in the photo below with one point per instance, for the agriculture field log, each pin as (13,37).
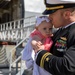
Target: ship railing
(15,30)
(19,58)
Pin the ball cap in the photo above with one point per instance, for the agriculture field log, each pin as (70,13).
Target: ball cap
(53,5)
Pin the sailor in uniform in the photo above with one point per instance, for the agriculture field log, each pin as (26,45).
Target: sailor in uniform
(61,59)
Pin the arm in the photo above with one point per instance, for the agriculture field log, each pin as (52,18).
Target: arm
(57,65)
(46,45)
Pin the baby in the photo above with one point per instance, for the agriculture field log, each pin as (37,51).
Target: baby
(42,33)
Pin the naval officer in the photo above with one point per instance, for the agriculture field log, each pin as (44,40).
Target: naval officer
(61,59)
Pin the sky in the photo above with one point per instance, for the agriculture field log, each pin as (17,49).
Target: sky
(34,5)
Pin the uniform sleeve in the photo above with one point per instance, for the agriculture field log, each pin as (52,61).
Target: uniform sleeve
(58,65)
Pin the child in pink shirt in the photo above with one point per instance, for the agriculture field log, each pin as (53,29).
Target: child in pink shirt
(42,33)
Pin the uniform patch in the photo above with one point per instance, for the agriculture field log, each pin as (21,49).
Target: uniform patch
(61,44)
(43,59)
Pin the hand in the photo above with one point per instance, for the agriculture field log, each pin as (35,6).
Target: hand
(38,46)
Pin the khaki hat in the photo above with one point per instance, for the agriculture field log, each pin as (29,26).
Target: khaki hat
(53,5)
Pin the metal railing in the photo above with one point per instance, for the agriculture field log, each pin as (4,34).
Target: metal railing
(24,28)
(12,62)
(16,30)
